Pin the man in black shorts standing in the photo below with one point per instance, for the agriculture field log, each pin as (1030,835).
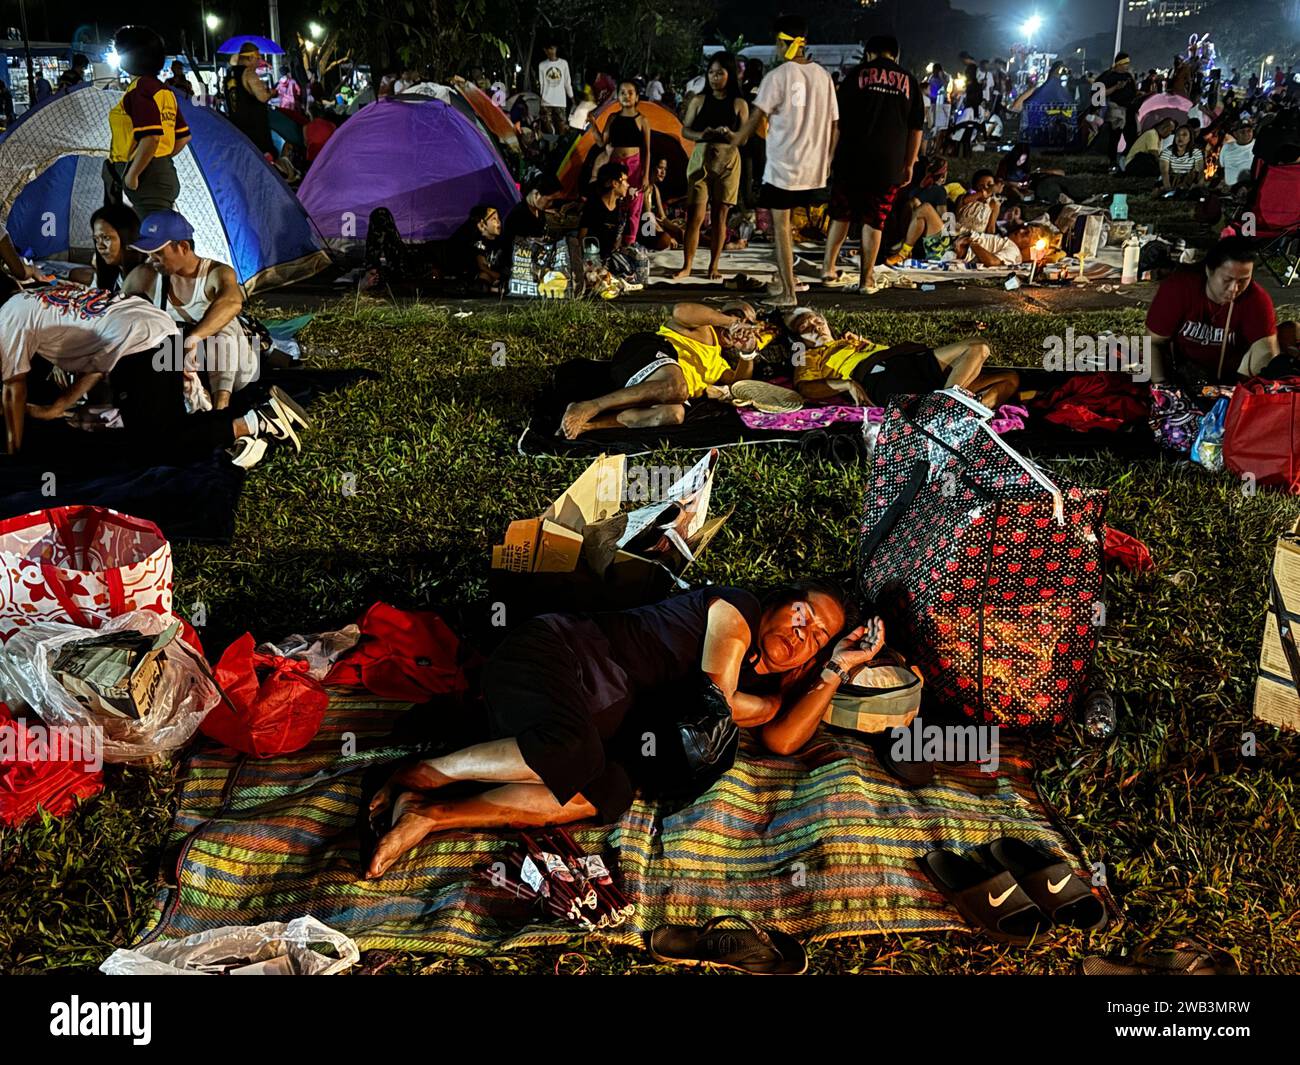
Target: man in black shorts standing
(882,116)
(798,100)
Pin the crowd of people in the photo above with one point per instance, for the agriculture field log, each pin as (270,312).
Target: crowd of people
(864,147)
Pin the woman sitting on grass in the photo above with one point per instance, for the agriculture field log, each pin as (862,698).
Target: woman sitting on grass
(1182,164)
(851,370)
(114,228)
(573,702)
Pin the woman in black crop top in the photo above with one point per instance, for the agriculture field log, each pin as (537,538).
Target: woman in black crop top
(559,688)
(714,173)
(626,139)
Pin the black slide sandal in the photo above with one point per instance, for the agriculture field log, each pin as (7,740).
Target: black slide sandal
(747,949)
(1049,880)
(993,902)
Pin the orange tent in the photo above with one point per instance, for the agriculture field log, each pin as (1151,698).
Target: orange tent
(666,141)
(492,117)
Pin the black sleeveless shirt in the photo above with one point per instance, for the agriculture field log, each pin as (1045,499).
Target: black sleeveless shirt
(715,113)
(627,653)
(623,133)
(245,110)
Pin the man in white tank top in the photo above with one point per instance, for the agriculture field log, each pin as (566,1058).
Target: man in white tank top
(203,295)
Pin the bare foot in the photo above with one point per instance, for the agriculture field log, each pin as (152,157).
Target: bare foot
(681,274)
(412,821)
(576,417)
(418,776)
(714,274)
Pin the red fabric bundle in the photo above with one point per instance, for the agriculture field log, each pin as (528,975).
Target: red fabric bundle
(25,785)
(1096,401)
(403,654)
(1127,551)
(271,705)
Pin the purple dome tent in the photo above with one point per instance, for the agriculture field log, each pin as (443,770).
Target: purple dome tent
(421,159)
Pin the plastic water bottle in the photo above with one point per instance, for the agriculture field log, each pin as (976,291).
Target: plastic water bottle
(1132,255)
(1119,207)
(1099,714)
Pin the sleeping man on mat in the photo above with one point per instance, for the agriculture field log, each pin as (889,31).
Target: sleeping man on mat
(655,375)
(851,370)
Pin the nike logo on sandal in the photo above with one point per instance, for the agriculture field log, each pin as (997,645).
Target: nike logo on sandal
(996,902)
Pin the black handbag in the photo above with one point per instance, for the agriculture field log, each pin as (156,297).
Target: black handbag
(709,736)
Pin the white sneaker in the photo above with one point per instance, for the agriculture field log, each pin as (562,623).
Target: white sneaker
(290,407)
(248,451)
(274,421)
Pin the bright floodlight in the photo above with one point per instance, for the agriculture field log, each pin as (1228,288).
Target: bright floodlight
(213,22)
(316,30)
(1269,59)
(1032,25)
(114,60)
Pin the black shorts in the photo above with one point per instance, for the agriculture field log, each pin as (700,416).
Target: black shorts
(533,690)
(935,195)
(909,370)
(639,356)
(775,198)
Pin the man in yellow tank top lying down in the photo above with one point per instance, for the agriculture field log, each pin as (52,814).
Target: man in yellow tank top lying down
(854,371)
(656,374)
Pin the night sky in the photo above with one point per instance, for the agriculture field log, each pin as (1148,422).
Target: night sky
(1063,19)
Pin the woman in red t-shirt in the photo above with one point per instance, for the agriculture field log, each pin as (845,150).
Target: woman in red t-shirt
(1213,325)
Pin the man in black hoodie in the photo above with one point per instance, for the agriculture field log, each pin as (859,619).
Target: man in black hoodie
(882,116)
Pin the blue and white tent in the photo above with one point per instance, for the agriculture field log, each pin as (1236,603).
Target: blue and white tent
(243,214)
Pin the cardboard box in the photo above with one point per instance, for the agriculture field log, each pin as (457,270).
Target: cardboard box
(117,673)
(1276,698)
(573,555)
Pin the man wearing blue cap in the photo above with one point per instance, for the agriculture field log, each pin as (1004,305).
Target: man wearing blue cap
(202,295)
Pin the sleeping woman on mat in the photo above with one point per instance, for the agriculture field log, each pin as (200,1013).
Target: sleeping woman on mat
(571,700)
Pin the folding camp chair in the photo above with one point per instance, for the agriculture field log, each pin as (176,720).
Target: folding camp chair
(1273,212)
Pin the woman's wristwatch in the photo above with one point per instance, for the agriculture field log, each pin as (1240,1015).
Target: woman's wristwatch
(838,671)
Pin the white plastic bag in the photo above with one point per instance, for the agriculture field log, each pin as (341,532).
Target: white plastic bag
(319,650)
(286,949)
(185,693)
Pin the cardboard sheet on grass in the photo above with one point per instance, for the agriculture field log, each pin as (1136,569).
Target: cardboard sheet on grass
(756,261)
(823,844)
(1277,689)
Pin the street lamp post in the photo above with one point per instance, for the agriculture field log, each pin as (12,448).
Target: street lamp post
(274,12)
(27,47)
(210,24)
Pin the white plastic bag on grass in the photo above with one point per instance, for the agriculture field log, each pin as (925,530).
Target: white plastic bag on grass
(184,696)
(274,948)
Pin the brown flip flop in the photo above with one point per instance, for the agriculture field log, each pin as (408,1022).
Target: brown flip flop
(747,949)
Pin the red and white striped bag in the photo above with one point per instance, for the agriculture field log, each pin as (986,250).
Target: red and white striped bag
(80,565)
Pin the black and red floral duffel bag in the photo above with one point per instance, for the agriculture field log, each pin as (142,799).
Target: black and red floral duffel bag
(987,571)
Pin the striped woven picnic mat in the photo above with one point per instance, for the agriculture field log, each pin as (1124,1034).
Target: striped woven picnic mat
(822,845)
